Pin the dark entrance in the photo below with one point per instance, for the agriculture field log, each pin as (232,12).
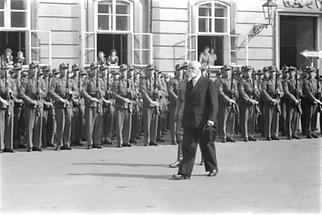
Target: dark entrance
(15,40)
(107,42)
(215,42)
(297,33)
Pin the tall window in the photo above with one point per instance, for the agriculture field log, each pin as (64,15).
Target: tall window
(114,15)
(212,18)
(13,13)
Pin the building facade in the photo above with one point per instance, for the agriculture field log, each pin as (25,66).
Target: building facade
(163,32)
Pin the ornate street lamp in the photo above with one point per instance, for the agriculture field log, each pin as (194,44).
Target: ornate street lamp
(269,9)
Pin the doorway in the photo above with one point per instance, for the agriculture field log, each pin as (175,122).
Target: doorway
(297,33)
(214,42)
(119,42)
(15,40)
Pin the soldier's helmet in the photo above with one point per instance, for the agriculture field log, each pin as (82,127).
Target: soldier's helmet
(185,65)
(55,71)
(94,65)
(8,50)
(46,68)
(17,66)
(82,72)
(246,68)
(63,66)
(33,65)
(177,67)
(123,67)
(272,69)
(75,67)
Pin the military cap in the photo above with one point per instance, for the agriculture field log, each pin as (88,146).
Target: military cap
(177,67)
(291,68)
(278,73)
(93,65)
(63,66)
(17,66)
(39,73)
(55,71)
(33,65)
(271,69)
(82,72)
(185,64)
(103,67)
(130,67)
(203,67)
(8,50)
(225,68)
(260,72)
(150,67)
(246,68)
(309,69)
(46,68)
(75,67)
(123,67)
(254,72)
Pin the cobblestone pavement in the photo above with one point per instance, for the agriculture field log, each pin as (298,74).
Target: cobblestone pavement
(259,177)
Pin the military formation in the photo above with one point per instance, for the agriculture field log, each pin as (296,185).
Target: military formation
(103,104)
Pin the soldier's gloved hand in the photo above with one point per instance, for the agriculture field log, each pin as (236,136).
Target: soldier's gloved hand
(296,101)
(210,123)
(232,101)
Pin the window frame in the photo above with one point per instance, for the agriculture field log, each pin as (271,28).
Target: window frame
(113,16)
(7,17)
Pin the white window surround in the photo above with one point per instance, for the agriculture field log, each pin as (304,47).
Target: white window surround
(7,16)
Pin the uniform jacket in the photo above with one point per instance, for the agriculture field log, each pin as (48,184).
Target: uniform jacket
(90,90)
(201,103)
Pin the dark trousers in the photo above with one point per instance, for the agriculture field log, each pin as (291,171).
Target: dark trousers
(150,122)
(191,138)
(124,121)
(33,127)
(246,121)
(173,123)
(93,126)
(48,127)
(63,120)
(308,112)
(77,124)
(226,122)
(291,120)
(135,126)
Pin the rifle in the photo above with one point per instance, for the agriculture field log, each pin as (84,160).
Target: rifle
(297,95)
(256,106)
(67,95)
(277,96)
(129,95)
(235,108)
(155,94)
(37,93)
(98,94)
(9,95)
(319,108)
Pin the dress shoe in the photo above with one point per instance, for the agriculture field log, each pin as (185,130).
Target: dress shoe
(89,147)
(314,136)
(223,141)
(7,151)
(309,136)
(153,144)
(29,149)
(252,138)
(275,138)
(289,137)
(175,164)
(230,139)
(134,141)
(36,149)
(160,140)
(119,145)
(268,138)
(99,147)
(180,177)
(296,137)
(213,173)
(127,145)
(21,146)
(57,148)
(50,145)
(64,147)
(146,144)
(174,143)
(245,140)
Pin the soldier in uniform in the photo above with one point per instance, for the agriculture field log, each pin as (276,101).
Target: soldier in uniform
(247,103)
(47,121)
(179,113)
(132,76)
(109,110)
(270,102)
(292,101)
(163,98)
(173,87)
(227,105)
(93,93)
(78,105)
(149,92)
(32,92)
(309,102)
(6,111)
(123,89)
(61,92)
(18,129)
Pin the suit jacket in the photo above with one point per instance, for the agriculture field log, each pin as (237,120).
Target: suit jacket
(201,103)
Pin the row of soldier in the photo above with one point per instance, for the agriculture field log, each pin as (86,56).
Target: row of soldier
(61,107)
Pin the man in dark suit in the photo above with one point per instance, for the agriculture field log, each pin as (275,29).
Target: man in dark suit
(201,106)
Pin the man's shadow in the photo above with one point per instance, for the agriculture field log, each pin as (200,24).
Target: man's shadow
(122,175)
(124,164)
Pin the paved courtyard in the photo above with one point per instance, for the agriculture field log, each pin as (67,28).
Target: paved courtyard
(256,177)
